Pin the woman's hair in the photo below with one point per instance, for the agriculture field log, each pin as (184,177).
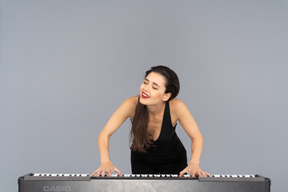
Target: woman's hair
(139,134)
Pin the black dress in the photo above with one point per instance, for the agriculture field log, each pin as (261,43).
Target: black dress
(167,155)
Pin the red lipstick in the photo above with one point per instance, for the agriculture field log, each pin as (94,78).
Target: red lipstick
(145,95)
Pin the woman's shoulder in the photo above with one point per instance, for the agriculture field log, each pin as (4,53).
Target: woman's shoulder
(130,103)
(127,108)
(132,100)
(176,103)
(177,107)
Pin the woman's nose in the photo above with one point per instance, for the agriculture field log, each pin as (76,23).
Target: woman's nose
(147,88)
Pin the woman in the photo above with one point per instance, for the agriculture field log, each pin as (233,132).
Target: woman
(154,114)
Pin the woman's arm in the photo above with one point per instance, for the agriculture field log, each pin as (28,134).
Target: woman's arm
(191,128)
(125,110)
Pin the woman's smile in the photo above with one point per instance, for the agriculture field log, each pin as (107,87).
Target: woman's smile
(145,95)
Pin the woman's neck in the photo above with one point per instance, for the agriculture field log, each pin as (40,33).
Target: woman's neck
(156,109)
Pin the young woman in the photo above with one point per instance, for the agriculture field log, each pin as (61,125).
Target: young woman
(155,148)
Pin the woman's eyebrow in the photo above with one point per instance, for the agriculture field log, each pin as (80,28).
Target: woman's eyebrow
(156,84)
(153,83)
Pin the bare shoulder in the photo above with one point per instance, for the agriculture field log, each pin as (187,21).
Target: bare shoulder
(176,104)
(132,101)
(129,105)
(178,108)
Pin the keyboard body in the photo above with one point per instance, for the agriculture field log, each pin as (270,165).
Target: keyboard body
(142,183)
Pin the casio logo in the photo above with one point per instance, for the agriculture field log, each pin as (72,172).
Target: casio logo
(57,188)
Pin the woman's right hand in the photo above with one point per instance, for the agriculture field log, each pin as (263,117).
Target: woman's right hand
(106,167)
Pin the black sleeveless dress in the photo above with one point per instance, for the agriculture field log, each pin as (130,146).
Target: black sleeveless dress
(167,155)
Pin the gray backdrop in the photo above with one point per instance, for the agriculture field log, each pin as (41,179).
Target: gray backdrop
(67,65)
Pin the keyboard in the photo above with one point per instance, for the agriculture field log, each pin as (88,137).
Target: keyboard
(41,182)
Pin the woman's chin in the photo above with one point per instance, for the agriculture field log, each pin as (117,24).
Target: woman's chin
(143,101)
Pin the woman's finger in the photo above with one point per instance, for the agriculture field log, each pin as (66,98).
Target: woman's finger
(118,171)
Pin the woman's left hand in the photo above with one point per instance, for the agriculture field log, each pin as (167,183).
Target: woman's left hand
(194,170)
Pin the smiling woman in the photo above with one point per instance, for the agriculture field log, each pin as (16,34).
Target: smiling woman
(154,114)
(160,85)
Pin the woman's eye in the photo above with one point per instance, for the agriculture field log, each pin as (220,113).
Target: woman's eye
(155,88)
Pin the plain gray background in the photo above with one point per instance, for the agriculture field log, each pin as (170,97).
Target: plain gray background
(66,65)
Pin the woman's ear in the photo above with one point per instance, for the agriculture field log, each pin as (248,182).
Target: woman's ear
(167,96)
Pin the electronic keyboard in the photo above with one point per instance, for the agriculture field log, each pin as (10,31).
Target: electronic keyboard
(47,182)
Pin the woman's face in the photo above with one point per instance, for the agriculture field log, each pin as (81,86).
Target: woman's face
(152,90)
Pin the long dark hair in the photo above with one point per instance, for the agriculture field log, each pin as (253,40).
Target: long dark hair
(139,134)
